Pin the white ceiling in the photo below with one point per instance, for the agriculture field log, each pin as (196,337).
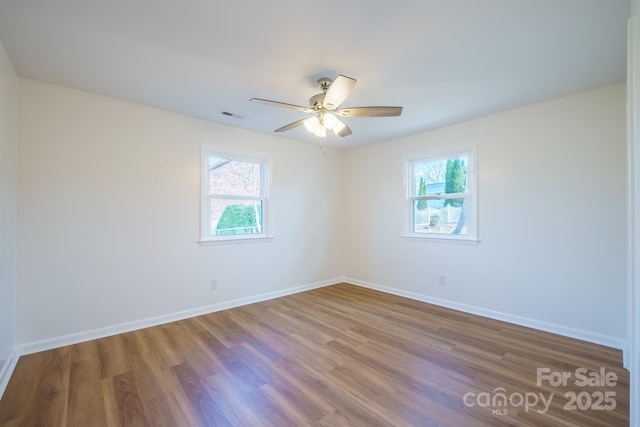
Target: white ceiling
(443,61)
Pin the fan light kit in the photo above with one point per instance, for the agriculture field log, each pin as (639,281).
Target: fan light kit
(320,124)
(325,108)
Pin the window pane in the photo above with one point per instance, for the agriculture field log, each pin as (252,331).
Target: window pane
(443,216)
(440,176)
(235,217)
(234,177)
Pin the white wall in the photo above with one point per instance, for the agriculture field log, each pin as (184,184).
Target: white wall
(552,217)
(109,215)
(8,212)
(632,354)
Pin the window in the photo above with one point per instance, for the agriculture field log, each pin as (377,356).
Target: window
(234,197)
(441,197)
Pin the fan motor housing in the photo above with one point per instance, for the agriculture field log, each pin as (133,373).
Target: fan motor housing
(317,101)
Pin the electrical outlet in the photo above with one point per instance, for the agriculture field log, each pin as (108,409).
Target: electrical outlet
(214,284)
(442,280)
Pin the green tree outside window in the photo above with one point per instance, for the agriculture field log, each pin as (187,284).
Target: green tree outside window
(237,219)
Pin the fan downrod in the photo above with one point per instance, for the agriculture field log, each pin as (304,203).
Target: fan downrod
(317,101)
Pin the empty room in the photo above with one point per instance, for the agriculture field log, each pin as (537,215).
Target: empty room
(245,213)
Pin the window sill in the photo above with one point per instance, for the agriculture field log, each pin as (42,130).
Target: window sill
(470,241)
(235,240)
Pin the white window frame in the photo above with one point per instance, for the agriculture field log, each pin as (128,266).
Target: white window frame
(206,236)
(471,195)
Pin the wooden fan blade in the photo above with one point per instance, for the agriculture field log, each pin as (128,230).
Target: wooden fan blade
(341,129)
(338,92)
(370,111)
(282,105)
(291,125)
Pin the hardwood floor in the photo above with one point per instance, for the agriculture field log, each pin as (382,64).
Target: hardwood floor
(335,356)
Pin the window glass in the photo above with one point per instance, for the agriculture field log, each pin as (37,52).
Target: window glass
(234,192)
(234,177)
(441,198)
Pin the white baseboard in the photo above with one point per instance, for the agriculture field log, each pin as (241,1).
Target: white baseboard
(505,317)
(7,370)
(61,341)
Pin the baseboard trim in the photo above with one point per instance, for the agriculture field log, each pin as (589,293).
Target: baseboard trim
(7,370)
(61,341)
(496,315)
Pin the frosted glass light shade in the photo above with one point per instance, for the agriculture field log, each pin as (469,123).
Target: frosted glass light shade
(329,121)
(312,123)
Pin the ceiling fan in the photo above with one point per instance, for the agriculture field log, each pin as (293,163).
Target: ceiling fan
(325,107)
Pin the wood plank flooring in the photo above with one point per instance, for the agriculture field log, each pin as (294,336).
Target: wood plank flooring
(336,356)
